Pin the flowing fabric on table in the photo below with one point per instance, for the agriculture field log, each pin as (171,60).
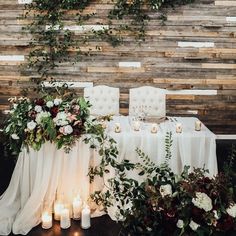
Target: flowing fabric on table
(40,176)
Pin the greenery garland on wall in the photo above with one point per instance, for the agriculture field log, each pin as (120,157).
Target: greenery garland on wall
(52,43)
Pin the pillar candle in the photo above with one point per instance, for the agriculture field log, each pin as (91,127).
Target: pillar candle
(65,219)
(58,207)
(85,218)
(77,207)
(46,220)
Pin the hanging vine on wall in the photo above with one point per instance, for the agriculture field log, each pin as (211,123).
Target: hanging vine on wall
(53,43)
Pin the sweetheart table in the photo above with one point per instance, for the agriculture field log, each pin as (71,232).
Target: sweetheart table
(41,175)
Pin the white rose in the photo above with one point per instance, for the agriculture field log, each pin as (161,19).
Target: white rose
(49,104)
(61,119)
(14,136)
(165,190)
(38,108)
(193,225)
(68,129)
(180,224)
(15,105)
(202,201)
(31,125)
(41,115)
(232,210)
(57,101)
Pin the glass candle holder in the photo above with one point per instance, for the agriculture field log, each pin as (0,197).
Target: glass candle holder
(198,125)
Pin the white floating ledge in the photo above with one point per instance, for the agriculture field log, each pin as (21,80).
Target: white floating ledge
(70,84)
(225,3)
(226,136)
(80,28)
(231,19)
(196,44)
(130,64)
(194,112)
(12,57)
(191,92)
(24,1)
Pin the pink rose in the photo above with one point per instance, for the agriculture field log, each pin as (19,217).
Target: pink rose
(62,130)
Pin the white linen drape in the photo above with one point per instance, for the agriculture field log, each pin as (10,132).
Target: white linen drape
(41,175)
(37,177)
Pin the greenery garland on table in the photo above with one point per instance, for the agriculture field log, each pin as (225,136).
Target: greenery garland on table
(57,116)
(53,44)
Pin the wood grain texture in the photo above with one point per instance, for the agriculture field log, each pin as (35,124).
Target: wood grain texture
(163,63)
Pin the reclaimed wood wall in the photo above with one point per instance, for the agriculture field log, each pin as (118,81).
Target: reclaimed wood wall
(193,56)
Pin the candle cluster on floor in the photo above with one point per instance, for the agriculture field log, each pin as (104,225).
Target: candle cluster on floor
(64,212)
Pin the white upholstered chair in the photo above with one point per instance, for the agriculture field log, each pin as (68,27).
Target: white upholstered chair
(153,99)
(104,99)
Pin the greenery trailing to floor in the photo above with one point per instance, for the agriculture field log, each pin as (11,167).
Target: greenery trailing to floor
(158,202)
(54,43)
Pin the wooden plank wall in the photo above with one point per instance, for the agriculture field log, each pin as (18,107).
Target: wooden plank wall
(194,51)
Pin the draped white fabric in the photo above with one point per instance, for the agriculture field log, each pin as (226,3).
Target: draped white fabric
(40,175)
(193,148)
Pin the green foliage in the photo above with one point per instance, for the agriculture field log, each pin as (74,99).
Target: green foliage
(155,200)
(58,116)
(52,44)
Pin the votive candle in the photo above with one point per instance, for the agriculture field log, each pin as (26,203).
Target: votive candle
(136,125)
(117,128)
(179,128)
(154,128)
(198,125)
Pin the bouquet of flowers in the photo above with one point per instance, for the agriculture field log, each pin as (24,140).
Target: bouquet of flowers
(61,120)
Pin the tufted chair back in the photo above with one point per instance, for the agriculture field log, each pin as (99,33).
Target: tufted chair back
(153,99)
(104,99)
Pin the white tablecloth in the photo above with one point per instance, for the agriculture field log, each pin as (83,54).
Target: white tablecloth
(38,176)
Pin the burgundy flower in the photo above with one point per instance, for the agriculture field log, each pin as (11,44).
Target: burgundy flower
(197,214)
(39,102)
(54,111)
(76,132)
(32,114)
(225,223)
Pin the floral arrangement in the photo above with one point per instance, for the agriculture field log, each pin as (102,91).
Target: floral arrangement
(58,119)
(162,203)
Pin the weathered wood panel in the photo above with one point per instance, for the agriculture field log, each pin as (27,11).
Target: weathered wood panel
(194,50)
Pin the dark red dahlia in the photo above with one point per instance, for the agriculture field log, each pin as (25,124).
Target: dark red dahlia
(39,102)
(54,111)
(197,214)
